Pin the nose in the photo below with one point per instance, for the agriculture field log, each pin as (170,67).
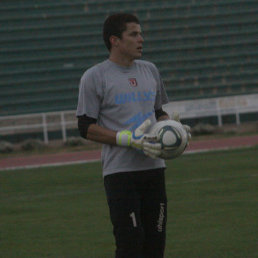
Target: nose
(140,39)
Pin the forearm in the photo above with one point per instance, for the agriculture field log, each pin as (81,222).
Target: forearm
(138,140)
(102,135)
(163,117)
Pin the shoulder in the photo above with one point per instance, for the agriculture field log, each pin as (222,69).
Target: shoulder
(93,78)
(95,71)
(143,64)
(147,65)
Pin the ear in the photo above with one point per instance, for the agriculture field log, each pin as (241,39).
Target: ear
(114,41)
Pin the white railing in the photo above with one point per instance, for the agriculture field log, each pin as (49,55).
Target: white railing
(232,105)
(62,121)
(40,122)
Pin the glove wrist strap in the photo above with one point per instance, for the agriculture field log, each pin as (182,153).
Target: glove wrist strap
(123,138)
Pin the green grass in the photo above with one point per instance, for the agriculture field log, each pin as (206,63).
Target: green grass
(62,211)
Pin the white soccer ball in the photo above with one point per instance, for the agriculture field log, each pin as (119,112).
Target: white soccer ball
(172,136)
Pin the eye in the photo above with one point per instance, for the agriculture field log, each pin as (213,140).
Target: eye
(134,34)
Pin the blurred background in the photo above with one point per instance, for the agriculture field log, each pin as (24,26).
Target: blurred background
(206,51)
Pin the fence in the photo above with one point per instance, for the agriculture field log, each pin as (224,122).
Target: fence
(233,105)
(41,122)
(189,109)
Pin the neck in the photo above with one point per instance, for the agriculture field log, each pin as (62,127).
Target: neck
(123,61)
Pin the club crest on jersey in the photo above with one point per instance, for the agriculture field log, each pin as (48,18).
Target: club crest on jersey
(132,82)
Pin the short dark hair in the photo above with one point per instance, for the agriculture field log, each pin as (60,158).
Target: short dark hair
(115,25)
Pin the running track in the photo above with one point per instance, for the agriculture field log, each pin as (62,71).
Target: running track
(92,156)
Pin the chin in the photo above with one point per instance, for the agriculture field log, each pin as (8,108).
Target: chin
(137,56)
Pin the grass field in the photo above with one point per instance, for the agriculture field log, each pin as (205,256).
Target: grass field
(62,211)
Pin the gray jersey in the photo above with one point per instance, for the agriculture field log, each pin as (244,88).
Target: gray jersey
(121,99)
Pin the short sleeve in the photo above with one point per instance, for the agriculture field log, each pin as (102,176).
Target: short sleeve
(90,94)
(161,95)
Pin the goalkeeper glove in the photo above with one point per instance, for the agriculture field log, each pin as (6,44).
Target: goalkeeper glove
(175,116)
(139,140)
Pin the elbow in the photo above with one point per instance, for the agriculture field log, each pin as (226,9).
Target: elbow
(83,125)
(82,129)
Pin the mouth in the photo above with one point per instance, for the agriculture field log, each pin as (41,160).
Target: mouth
(139,49)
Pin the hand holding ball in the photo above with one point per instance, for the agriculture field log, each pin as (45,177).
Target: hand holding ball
(173,138)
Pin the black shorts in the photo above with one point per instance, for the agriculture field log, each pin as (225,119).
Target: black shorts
(138,210)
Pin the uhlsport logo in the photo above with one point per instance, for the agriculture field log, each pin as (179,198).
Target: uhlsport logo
(132,82)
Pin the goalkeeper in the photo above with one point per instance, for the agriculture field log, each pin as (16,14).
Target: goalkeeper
(118,100)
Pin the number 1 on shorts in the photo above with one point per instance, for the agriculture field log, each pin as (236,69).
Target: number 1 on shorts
(132,215)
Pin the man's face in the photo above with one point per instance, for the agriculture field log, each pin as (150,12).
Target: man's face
(130,44)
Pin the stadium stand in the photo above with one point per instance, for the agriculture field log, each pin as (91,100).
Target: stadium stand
(203,48)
